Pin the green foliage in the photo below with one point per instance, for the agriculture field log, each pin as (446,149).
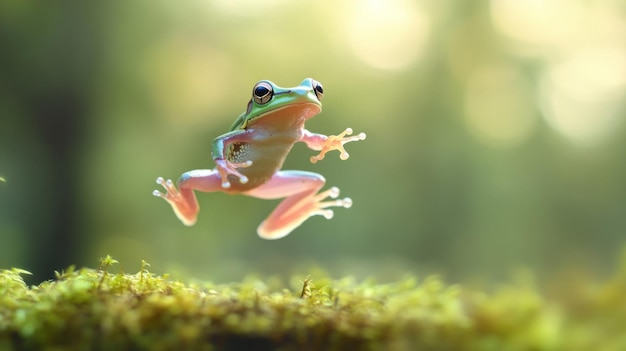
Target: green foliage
(87,309)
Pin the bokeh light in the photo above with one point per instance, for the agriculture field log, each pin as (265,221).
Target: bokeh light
(583,95)
(388,35)
(538,22)
(582,86)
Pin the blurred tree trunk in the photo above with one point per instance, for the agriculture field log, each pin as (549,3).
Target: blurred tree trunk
(48,73)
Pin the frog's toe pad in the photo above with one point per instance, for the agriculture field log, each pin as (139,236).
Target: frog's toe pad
(346,202)
(328,214)
(333,192)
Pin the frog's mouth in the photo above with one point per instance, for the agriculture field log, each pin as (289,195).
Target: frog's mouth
(304,111)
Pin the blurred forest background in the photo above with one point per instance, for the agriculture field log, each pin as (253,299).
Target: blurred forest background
(496,134)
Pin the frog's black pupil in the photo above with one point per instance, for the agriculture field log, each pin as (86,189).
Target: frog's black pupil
(319,89)
(261,91)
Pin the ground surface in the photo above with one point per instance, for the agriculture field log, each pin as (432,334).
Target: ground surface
(96,309)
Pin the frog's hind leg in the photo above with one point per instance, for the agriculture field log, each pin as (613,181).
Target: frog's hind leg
(183,199)
(302,201)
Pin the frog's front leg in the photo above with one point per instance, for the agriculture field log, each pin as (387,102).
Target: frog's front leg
(226,166)
(183,199)
(302,201)
(324,144)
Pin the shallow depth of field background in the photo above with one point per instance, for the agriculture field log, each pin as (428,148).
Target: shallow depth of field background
(496,134)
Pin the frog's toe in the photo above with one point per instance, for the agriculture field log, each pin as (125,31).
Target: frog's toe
(323,210)
(171,194)
(333,193)
(161,182)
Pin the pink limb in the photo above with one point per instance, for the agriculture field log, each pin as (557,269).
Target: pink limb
(183,200)
(302,201)
(325,144)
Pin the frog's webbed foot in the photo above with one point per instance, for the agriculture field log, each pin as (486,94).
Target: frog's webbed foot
(225,167)
(321,207)
(296,209)
(171,193)
(185,211)
(336,142)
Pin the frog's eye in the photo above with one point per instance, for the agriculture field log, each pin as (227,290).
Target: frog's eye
(319,90)
(262,93)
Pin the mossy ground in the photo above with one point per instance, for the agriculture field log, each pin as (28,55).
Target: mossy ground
(95,309)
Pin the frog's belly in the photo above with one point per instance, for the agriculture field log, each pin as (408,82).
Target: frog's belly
(266,161)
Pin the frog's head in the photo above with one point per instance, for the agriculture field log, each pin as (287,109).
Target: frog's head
(272,103)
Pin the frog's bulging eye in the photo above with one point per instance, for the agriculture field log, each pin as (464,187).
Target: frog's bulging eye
(319,90)
(262,93)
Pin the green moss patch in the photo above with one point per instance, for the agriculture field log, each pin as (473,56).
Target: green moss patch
(94,309)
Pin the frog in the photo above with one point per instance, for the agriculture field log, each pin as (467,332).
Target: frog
(250,156)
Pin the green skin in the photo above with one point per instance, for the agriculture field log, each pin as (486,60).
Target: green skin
(249,157)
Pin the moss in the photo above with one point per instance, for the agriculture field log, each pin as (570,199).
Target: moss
(94,309)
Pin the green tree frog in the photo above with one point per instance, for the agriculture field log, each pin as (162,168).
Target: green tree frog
(250,156)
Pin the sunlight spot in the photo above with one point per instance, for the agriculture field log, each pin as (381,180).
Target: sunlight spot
(583,96)
(246,7)
(385,34)
(537,21)
(498,109)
